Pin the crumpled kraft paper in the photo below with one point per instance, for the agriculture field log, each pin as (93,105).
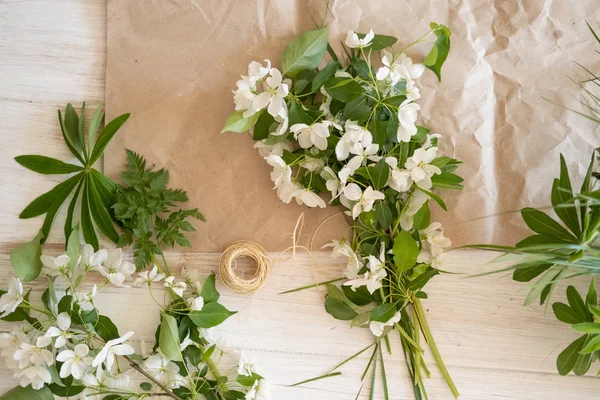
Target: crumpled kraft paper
(173,64)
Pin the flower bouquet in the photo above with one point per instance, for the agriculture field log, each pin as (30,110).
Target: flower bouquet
(63,346)
(349,130)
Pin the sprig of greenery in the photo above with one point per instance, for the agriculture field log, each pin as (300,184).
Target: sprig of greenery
(97,192)
(144,206)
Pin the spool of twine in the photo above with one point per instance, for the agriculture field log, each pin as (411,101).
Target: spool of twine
(238,281)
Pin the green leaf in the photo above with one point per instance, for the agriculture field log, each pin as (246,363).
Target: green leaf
(209,290)
(435,198)
(379,42)
(360,297)
(420,281)
(422,218)
(238,124)
(343,89)
(383,215)
(71,145)
(25,259)
(71,211)
(248,381)
(380,174)
(358,109)
(447,180)
(94,125)
(99,212)
(338,305)
(262,127)
(527,273)
(405,251)
(168,341)
(591,299)
(106,329)
(304,52)
(72,126)
(584,360)
(361,320)
(146,386)
(324,75)
(106,135)
(66,391)
(73,248)
(438,54)
(54,208)
(212,314)
(577,304)
(395,100)
(563,205)
(568,357)
(44,202)
(565,314)
(46,165)
(28,393)
(87,225)
(383,312)
(591,346)
(541,223)
(379,131)
(587,327)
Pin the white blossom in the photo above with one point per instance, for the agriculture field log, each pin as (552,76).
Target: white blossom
(220,342)
(259,391)
(310,198)
(12,298)
(378,327)
(282,173)
(115,269)
(373,277)
(243,96)
(35,354)
(415,202)
(74,361)
(363,201)
(332,183)
(354,42)
(91,260)
(36,376)
(61,330)
(277,149)
(256,71)
(55,266)
(147,277)
(311,135)
(177,287)
(275,91)
(164,371)
(342,249)
(399,179)
(353,135)
(288,191)
(113,348)
(195,303)
(9,344)
(246,366)
(420,166)
(398,68)
(407,118)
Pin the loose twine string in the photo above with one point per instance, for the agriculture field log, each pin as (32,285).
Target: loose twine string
(241,284)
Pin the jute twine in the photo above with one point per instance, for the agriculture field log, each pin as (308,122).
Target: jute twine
(236,281)
(241,284)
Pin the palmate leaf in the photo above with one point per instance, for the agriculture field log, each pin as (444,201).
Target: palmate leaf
(97,192)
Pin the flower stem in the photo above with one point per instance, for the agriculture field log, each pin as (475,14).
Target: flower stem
(429,338)
(139,369)
(213,368)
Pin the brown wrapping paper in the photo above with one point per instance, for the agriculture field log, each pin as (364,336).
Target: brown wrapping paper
(173,64)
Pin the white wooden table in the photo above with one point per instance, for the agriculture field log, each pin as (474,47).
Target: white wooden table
(54,52)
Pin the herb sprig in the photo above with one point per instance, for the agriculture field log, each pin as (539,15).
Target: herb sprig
(145,207)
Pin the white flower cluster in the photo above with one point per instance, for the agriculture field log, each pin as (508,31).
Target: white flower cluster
(264,87)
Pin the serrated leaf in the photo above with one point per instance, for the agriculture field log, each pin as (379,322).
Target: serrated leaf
(304,52)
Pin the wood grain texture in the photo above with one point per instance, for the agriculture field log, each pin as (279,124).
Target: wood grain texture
(53,52)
